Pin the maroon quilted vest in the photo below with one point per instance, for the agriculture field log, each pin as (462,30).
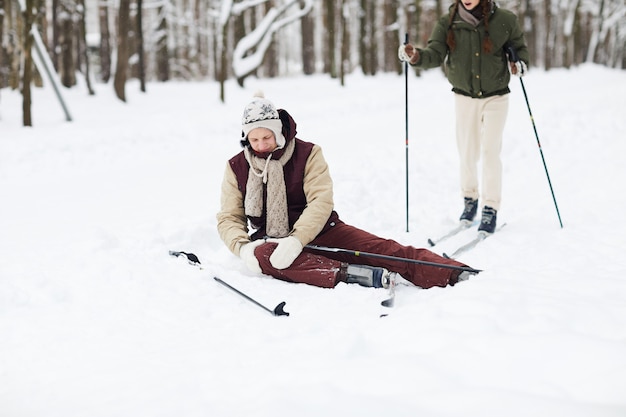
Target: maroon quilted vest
(293,171)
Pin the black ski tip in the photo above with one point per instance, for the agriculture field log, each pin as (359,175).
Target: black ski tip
(191,258)
(278,311)
(387,303)
(430,242)
(445,255)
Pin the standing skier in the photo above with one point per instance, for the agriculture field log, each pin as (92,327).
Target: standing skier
(472,39)
(281,187)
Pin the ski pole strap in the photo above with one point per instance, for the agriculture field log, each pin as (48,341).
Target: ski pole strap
(393,258)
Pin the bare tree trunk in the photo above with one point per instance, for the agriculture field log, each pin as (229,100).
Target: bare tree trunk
(201,40)
(571,31)
(580,40)
(119,83)
(367,42)
(238,25)
(182,43)
(308,44)
(67,68)
(54,48)
(270,59)
(28,63)
(140,52)
(528,18)
(3,81)
(548,32)
(558,35)
(413,27)
(223,61)
(15,25)
(345,42)
(105,41)
(83,46)
(162,54)
(39,21)
(391,36)
(329,38)
(373,38)
(595,34)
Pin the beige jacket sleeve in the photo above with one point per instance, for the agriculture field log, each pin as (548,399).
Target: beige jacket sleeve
(318,189)
(232,223)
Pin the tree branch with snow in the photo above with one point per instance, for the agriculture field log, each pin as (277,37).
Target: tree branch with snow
(250,50)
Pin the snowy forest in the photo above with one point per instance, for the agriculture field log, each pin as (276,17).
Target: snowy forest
(98,320)
(161,40)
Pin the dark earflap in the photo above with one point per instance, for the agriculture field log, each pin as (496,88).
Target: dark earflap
(244,142)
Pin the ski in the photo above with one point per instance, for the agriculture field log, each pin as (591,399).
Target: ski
(471,244)
(391,294)
(391,287)
(463,225)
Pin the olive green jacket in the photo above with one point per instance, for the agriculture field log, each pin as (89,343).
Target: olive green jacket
(470,70)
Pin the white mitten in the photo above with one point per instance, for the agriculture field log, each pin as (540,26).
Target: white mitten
(246,253)
(518,68)
(405,57)
(286,252)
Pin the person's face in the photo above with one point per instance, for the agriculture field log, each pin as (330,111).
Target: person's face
(262,140)
(470,4)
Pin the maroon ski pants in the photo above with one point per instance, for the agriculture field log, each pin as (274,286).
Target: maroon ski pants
(322,268)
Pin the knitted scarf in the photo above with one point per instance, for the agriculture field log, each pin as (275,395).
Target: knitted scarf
(474,16)
(268,172)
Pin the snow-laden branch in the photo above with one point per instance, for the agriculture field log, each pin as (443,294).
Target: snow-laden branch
(250,50)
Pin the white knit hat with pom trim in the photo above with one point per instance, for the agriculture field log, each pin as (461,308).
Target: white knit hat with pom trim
(261,112)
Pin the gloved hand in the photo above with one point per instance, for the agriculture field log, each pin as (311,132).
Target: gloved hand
(286,252)
(246,253)
(408,53)
(518,68)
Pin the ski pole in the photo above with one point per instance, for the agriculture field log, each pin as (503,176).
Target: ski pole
(406,130)
(278,310)
(392,258)
(193,260)
(513,57)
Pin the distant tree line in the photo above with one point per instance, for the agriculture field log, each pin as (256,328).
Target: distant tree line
(160,40)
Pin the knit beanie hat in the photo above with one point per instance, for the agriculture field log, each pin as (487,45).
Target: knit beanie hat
(261,112)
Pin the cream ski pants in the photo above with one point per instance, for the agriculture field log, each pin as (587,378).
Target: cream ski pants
(479,129)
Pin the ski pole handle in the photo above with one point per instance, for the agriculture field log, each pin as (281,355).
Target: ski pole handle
(512,53)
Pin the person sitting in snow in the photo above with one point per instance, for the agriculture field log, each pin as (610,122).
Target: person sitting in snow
(281,186)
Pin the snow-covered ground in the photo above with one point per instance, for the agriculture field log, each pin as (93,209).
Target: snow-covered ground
(97,320)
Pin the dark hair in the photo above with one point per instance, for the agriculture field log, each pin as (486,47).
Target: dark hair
(486,9)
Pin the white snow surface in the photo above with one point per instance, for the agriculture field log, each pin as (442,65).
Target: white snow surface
(97,320)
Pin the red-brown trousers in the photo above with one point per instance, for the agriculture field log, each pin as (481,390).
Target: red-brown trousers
(322,270)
